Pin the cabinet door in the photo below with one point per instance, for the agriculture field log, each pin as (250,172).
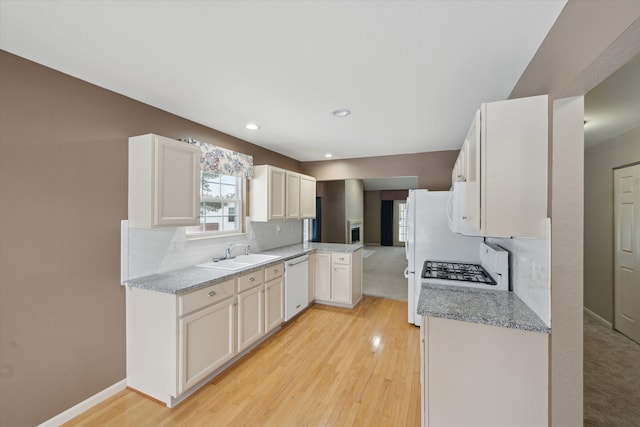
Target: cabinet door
(277,194)
(341,283)
(323,276)
(274,303)
(471,212)
(250,317)
(293,196)
(312,278)
(206,342)
(177,183)
(307,197)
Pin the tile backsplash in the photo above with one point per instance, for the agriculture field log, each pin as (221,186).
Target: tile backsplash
(152,251)
(529,270)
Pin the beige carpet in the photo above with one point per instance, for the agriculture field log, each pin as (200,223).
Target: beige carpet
(611,377)
(384,272)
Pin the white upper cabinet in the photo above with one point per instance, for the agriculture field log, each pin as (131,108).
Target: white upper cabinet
(164,182)
(278,194)
(293,195)
(505,166)
(307,197)
(268,193)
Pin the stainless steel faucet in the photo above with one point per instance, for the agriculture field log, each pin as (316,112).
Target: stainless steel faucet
(232,246)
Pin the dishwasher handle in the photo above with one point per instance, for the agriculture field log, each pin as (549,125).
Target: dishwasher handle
(296,261)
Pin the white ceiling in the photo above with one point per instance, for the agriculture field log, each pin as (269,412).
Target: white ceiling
(613,107)
(411,72)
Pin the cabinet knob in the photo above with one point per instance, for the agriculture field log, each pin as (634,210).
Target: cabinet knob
(275,270)
(212,293)
(252,279)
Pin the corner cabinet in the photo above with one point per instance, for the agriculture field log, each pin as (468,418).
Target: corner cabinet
(277,194)
(164,182)
(338,278)
(503,164)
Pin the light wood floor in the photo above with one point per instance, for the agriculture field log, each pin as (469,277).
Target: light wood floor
(330,366)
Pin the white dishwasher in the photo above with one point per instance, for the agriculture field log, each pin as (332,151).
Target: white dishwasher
(296,286)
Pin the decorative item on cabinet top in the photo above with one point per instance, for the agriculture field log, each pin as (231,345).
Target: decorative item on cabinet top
(223,161)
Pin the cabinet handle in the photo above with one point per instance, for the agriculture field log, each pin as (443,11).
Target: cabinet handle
(252,279)
(275,270)
(212,293)
(341,259)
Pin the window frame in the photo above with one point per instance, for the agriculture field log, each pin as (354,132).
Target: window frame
(241,204)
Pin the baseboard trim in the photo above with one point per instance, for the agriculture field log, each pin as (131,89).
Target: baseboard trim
(85,405)
(598,318)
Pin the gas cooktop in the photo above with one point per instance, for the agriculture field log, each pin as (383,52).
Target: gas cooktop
(456,271)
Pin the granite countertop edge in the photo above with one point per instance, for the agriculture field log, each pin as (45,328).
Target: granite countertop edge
(486,307)
(189,279)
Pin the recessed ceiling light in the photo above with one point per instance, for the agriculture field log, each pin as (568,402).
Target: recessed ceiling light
(328,155)
(252,126)
(341,112)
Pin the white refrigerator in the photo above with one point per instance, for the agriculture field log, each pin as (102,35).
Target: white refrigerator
(429,238)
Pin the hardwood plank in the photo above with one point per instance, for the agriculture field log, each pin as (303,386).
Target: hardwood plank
(329,366)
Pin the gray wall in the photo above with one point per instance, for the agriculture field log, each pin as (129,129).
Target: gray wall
(354,204)
(333,212)
(432,169)
(599,162)
(63,192)
(372,206)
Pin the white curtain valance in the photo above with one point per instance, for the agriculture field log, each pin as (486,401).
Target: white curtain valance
(222,161)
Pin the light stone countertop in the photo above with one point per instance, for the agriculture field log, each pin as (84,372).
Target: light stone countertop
(487,307)
(189,279)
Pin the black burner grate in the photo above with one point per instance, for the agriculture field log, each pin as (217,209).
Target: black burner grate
(456,271)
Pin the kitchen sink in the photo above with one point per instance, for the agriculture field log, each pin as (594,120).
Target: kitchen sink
(239,262)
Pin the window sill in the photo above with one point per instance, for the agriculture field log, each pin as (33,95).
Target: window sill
(206,236)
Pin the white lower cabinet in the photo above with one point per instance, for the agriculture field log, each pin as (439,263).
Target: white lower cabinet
(273,296)
(177,342)
(274,303)
(250,316)
(338,278)
(250,308)
(482,375)
(341,283)
(323,276)
(312,277)
(206,342)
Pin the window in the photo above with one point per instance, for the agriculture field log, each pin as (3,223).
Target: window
(402,221)
(220,205)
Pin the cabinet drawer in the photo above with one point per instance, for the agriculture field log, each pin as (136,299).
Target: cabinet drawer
(341,258)
(204,297)
(250,280)
(273,271)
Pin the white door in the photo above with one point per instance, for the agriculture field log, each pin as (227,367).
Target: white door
(627,251)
